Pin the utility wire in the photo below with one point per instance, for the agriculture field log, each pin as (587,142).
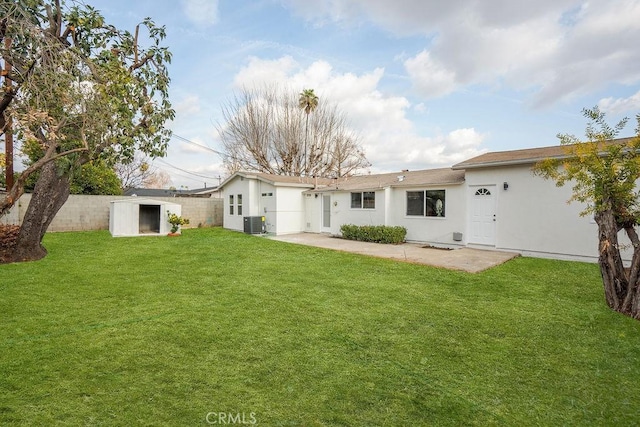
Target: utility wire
(186,171)
(188,141)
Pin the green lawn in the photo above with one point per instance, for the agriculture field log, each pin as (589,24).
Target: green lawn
(181,331)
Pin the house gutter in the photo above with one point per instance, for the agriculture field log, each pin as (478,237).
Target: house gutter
(463,166)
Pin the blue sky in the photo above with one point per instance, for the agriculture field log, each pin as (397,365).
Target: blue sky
(425,83)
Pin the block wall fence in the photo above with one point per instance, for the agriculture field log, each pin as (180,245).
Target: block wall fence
(82,213)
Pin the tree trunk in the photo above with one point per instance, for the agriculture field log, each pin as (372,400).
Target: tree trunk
(50,193)
(620,285)
(611,267)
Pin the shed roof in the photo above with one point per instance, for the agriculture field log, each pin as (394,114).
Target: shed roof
(141,201)
(521,157)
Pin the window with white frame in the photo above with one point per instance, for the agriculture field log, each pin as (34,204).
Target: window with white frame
(230,204)
(363,200)
(426,203)
(239,204)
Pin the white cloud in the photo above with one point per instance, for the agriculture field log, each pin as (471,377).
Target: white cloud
(620,105)
(430,77)
(203,13)
(188,105)
(390,139)
(259,71)
(555,49)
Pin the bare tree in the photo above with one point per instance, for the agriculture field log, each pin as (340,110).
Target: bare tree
(140,172)
(265,130)
(157,179)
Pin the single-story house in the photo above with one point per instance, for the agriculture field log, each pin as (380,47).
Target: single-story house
(491,201)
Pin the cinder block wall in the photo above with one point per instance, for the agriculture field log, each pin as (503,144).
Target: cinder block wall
(82,213)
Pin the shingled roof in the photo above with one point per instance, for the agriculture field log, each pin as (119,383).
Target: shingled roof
(520,157)
(290,181)
(444,176)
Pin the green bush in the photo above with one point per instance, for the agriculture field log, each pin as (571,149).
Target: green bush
(374,233)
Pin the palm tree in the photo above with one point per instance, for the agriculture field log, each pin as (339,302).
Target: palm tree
(308,101)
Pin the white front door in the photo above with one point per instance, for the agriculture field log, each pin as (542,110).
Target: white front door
(326,213)
(483,215)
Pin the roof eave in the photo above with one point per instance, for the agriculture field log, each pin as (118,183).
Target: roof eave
(519,162)
(423,184)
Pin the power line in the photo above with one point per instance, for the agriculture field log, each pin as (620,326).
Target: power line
(188,141)
(186,171)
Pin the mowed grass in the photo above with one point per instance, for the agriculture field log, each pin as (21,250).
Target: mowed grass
(183,331)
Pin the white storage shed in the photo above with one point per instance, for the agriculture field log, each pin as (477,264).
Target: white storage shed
(141,217)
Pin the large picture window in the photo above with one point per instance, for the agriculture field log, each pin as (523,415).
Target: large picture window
(435,203)
(364,200)
(426,203)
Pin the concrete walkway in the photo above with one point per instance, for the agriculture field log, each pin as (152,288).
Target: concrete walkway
(465,259)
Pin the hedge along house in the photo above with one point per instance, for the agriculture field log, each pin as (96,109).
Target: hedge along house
(141,217)
(492,201)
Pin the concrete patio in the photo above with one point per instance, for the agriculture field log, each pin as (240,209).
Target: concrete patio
(464,259)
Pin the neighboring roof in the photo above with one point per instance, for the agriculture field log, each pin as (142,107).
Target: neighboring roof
(204,190)
(161,192)
(520,157)
(280,180)
(420,178)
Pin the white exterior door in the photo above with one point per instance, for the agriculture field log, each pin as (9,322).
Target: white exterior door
(326,213)
(483,215)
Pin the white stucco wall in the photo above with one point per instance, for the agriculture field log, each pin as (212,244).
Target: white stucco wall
(290,210)
(432,230)
(342,213)
(283,209)
(267,198)
(235,187)
(534,218)
(391,210)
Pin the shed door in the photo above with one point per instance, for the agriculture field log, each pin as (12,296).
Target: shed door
(149,219)
(483,216)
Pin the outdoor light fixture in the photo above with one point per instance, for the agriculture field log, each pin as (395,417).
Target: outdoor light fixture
(505,185)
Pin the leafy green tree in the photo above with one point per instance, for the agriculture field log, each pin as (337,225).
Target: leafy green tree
(83,91)
(97,179)
(604,173)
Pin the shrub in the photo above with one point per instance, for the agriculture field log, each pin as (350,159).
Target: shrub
(374,233)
